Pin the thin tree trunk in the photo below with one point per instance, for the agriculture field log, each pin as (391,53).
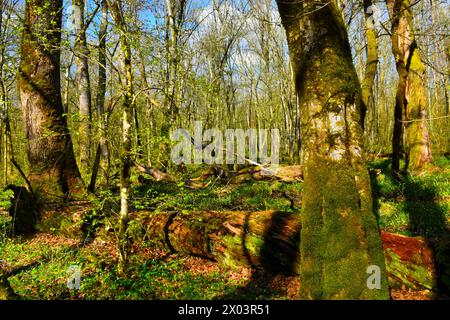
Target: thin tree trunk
(127,120)
(3,102)
(371,58)
(340,238)
(67,85)
(175,17)
(53,169)
(83,85)
(102,160)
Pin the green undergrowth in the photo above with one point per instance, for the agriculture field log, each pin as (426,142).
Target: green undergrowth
(418,204)
(249,195)
(148,279)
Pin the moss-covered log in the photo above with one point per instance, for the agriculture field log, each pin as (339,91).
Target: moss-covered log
(269,240)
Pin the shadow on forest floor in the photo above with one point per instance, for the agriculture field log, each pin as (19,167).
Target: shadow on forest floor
(273,278)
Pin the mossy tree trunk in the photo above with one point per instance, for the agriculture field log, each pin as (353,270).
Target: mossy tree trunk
(83,85)
(411,93)
(340,237)
(127,119)
(53,169)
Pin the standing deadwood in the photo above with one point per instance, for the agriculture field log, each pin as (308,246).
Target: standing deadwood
(410,99)
(102,154)
(340,238)
(83,85)
(53,169)
(127,119)
(371,58)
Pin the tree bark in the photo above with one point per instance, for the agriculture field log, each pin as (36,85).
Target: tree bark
(411,91)
(340,237)
(53,169)
(83,85)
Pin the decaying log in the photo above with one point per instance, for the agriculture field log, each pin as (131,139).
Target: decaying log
(269,240)
(159,176)
(263,239)
(285,174)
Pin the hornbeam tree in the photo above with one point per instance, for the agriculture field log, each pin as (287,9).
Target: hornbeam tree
(53,169)
(340,239)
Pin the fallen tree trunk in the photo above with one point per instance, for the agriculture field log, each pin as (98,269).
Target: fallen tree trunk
(264,239)
(269,240)
(158,175)
(285,174)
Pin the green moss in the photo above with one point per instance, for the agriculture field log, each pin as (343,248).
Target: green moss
(339,237)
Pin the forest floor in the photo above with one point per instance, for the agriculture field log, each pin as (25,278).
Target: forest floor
(417,206)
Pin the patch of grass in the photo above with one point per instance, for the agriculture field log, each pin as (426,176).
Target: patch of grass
(442,162)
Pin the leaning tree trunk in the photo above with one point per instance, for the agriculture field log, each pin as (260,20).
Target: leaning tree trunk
(53,169)
(83,85)
(340,237)
(411,92)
